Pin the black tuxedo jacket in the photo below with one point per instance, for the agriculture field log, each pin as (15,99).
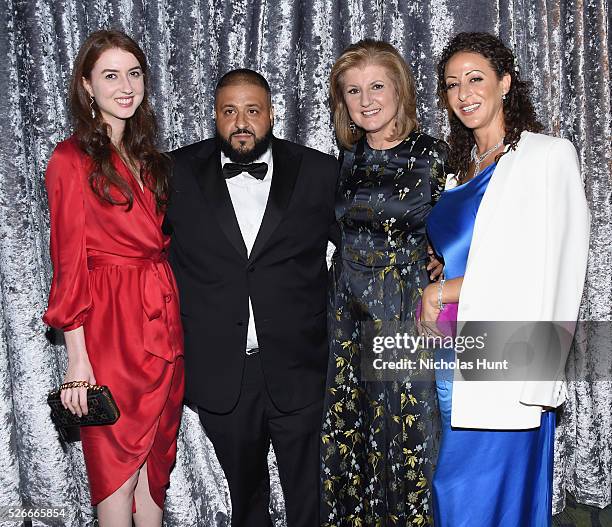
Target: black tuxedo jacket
(285,276)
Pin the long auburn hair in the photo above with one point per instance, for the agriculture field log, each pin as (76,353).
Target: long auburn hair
(519,114)
(360,54)
(94,135)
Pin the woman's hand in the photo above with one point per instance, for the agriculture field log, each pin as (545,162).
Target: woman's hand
(435,266)
(79,369)
(430,311)
(75,399)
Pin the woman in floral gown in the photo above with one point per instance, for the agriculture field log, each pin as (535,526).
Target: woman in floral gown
(377,434)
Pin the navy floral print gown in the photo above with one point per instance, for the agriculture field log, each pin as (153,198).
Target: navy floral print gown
(377,444)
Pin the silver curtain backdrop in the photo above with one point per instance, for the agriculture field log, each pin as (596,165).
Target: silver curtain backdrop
(563,47)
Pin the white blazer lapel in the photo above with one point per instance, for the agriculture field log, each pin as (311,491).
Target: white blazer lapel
(533,213)
(490,204)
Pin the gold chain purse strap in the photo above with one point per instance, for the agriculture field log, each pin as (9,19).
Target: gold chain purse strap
(80,384)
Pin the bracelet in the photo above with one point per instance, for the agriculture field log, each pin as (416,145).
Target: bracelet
(440,286)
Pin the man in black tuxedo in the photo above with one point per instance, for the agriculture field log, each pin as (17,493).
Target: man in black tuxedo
(250,216)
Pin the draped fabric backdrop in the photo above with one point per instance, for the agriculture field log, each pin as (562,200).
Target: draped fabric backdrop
(562,46)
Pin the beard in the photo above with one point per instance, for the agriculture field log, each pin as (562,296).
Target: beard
(244,156)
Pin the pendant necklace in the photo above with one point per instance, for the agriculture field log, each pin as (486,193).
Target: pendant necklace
(478,159)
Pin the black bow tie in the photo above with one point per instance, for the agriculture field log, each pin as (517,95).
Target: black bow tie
(257,170)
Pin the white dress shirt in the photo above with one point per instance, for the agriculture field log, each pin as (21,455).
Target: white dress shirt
(249,197)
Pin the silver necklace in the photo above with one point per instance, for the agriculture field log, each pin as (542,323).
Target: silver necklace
(478,159)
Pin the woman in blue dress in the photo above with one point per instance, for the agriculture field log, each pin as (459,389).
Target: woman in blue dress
(517,199)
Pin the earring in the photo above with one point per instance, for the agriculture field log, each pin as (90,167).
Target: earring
(504,96)
(93,112)
(352,126)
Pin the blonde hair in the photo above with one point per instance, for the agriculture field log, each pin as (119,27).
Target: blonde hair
(380,53)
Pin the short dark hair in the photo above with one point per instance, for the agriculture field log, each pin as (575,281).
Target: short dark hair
(242,76)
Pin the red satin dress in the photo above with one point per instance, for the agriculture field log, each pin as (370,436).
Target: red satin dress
(110,275)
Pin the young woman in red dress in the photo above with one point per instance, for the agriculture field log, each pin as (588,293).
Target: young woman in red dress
(113,293)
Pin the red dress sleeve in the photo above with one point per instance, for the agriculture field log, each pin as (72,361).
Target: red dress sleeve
(70,297)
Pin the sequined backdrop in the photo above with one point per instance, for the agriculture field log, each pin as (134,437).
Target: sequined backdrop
(562,46)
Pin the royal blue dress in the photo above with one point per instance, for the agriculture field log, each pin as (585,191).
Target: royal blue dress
(488,478)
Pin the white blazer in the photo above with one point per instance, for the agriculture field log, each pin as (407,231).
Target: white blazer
(527,262)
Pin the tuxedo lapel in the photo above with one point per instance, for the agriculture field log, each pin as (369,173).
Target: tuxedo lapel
(214,190)
(286,168)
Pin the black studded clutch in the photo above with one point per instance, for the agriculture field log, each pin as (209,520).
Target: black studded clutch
(101,407)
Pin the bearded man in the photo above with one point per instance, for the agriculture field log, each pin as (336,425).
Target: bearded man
(250,216)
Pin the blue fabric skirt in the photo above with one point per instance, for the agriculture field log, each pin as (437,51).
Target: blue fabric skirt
(493,478)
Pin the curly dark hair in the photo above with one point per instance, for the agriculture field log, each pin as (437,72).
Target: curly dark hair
(519,115)
(93,134)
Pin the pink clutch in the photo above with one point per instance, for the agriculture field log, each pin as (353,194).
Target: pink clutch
(447,319)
